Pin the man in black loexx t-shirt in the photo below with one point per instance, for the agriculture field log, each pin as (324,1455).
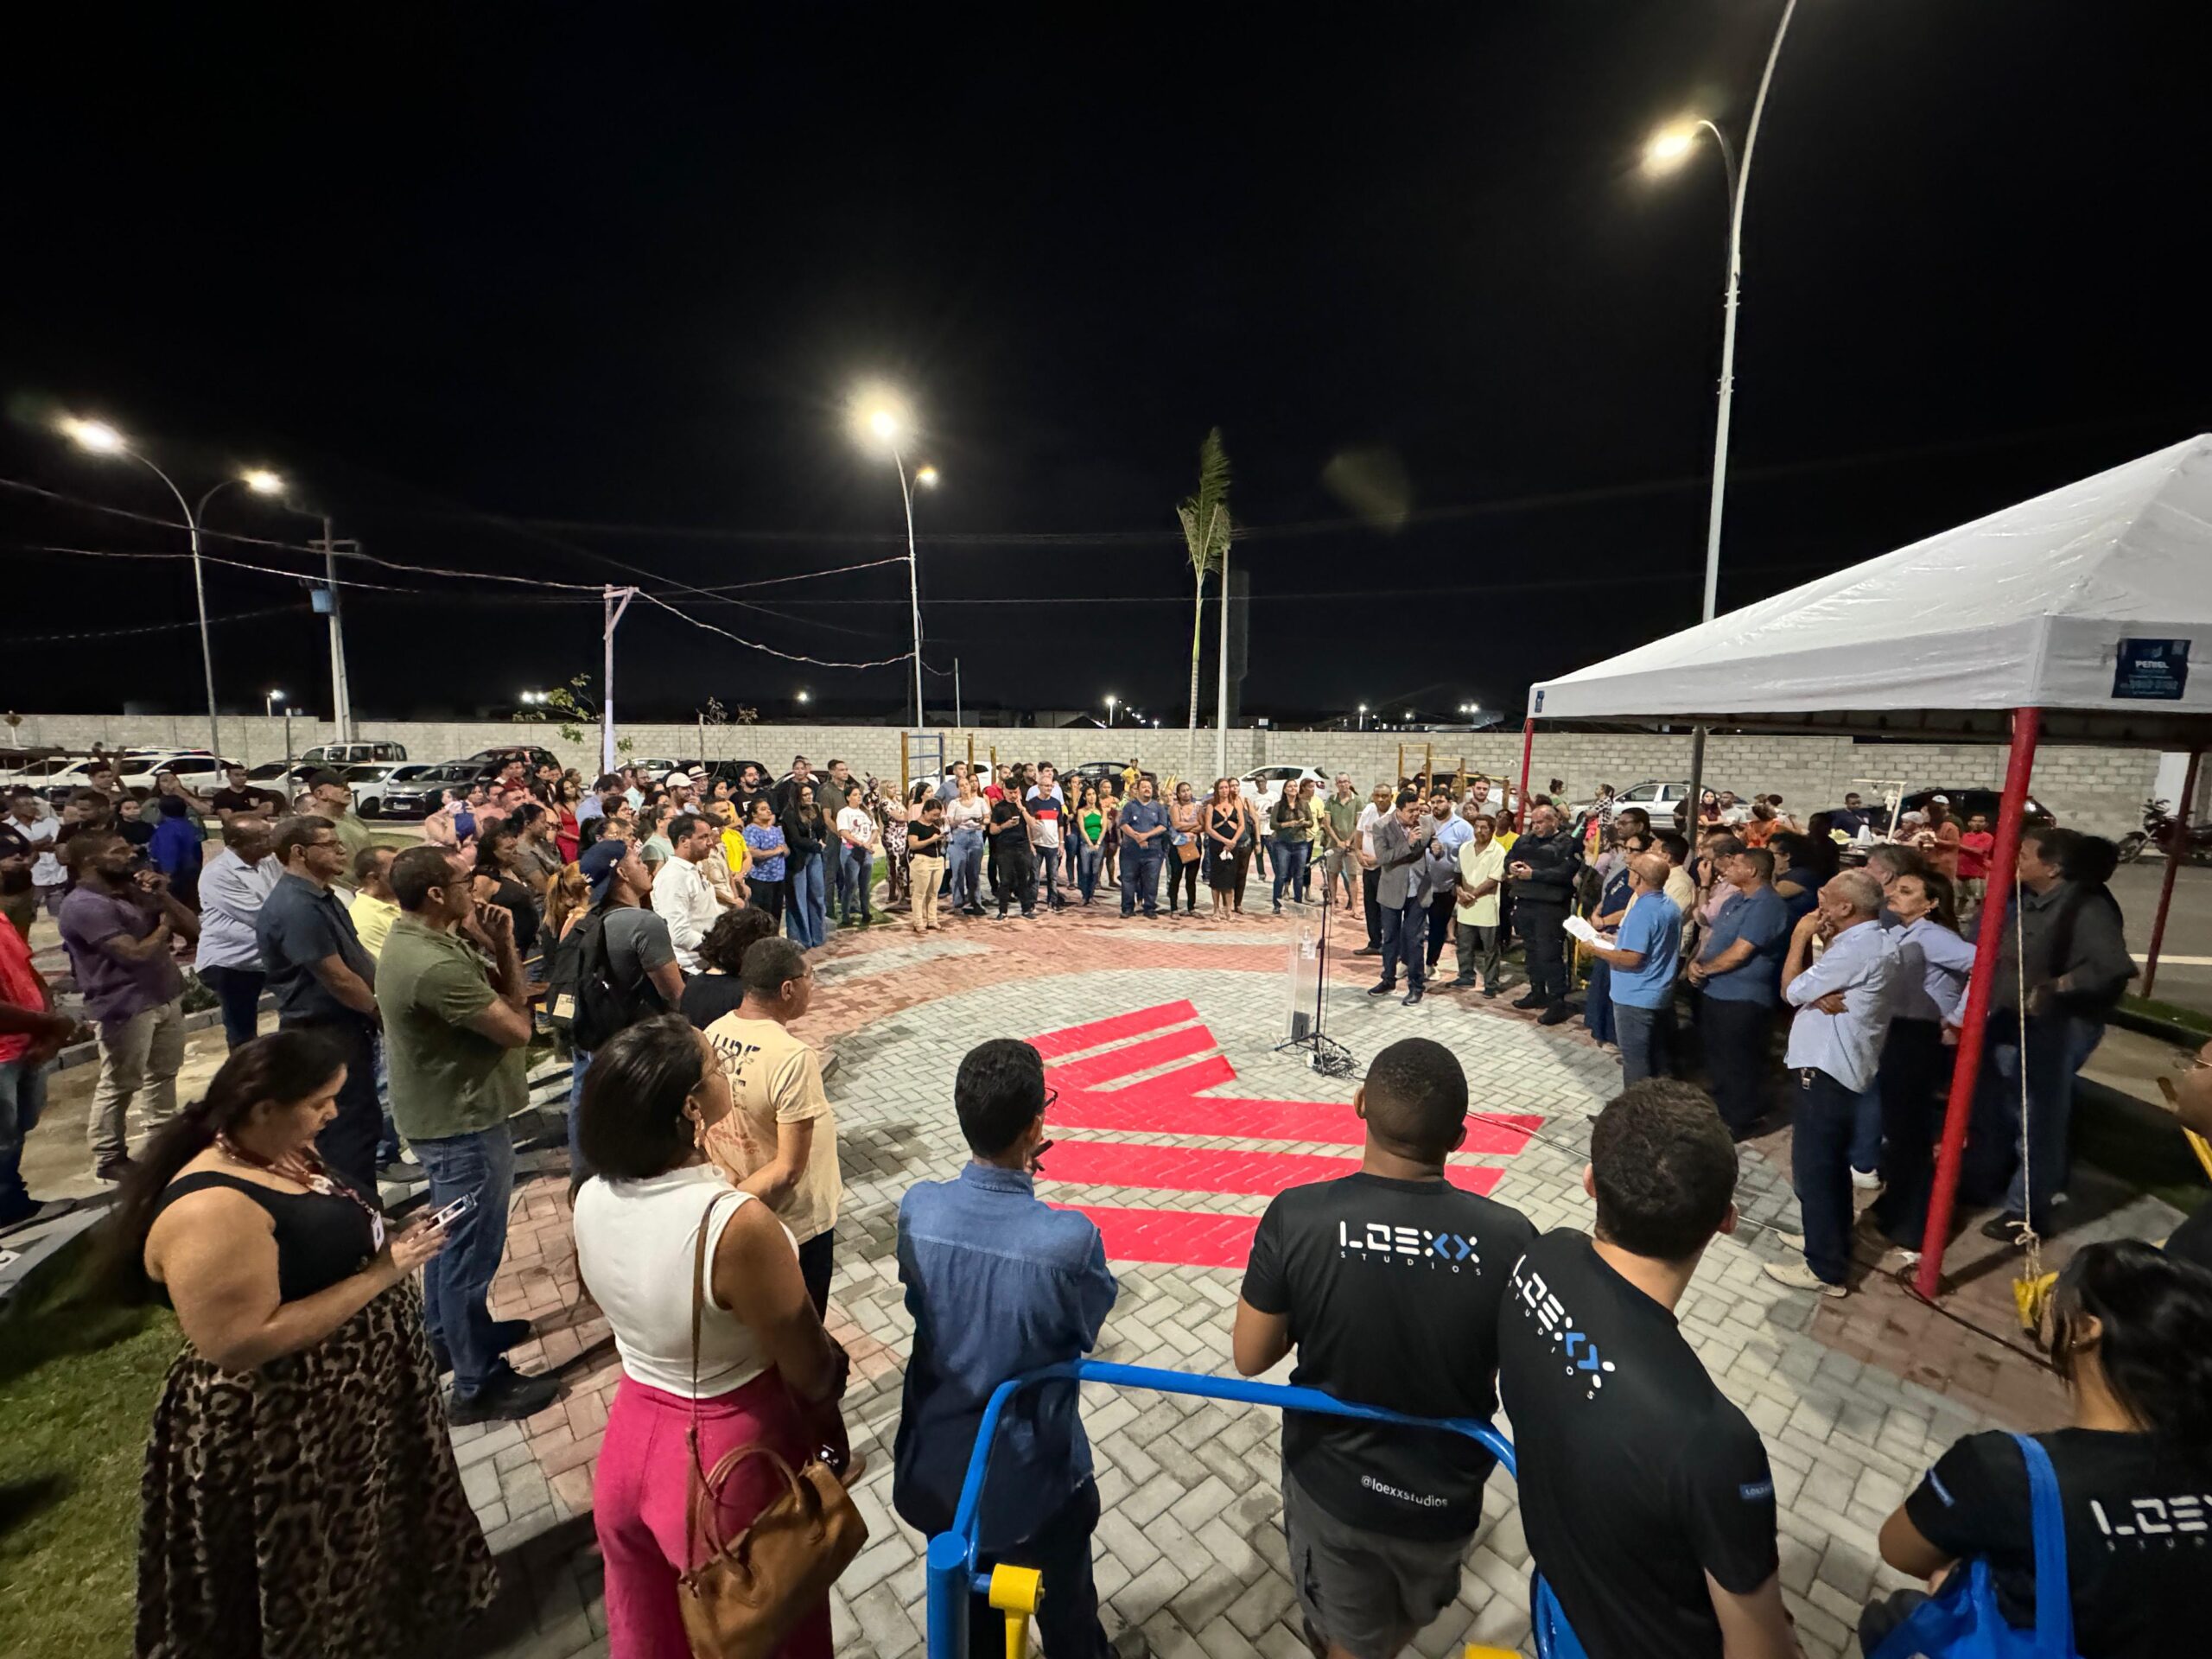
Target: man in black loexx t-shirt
(1644,1490)
(1648,1505)
(1389,1282)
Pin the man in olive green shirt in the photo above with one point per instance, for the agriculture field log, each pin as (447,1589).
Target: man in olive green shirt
(1338,844)
(454,1034)
(334,801)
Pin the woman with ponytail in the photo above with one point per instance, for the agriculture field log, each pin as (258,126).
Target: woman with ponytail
(300,1480)
(2129,1331)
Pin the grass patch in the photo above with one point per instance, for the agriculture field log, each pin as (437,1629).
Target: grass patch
(2173,1014)
(78,1382)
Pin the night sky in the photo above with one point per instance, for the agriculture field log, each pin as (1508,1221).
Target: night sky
(552,298)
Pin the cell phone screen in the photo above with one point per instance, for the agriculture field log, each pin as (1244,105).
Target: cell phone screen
(453,1211)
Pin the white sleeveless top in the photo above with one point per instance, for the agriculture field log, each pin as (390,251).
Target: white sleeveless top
(635,1246)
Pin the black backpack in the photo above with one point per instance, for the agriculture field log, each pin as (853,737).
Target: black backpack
(587,1000)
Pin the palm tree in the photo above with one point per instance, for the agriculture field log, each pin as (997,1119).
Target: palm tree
(1206,537)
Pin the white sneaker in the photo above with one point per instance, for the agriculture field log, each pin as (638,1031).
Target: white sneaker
(1798,1276)
(1865,1179)
(1790,1241)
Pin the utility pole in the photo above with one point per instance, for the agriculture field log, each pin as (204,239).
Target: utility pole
(606,682)
(1221,717)
(958,722)
(341,701)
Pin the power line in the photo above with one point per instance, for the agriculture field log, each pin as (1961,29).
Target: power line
(150,627)
(754,645)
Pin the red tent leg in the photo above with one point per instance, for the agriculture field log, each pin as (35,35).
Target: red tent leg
(2027,724)
(1527,748)
(2177,849)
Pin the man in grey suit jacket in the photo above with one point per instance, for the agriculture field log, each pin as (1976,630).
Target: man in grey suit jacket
(1400,851)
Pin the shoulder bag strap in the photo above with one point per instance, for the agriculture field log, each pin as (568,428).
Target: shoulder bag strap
(699,1314)
(2054,1594)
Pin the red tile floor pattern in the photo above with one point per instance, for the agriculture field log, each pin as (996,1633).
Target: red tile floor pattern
(1169,1035)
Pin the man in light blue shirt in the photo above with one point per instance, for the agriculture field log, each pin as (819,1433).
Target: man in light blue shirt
(1001,1283)
(1643,956)
(1844,1002)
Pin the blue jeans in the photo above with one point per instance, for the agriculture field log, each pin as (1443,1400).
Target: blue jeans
(22,1102)
(237,991)
(855,875)
(1087,860)
(1048,876)
(966,872)
(1290,868)
(802,916)
(1867,1128)
(1140,879)
(458,1278)
(388,1148)
(1819,1166)
(1405,934)
(579,1063)
(1641,1037)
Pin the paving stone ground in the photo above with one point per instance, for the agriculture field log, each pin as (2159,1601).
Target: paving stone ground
(1855,1398)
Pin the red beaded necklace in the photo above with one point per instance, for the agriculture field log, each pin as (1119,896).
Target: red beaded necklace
(305,1168)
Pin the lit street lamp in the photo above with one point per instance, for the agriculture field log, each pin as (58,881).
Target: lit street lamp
(1667,150)
(101,439)
(1363,716)
(1111,701)
(802,697)
(269,707)
(880,419)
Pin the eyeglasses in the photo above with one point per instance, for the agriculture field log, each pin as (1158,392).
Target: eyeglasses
(1052,1099)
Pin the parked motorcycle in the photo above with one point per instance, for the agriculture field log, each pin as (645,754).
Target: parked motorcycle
(2160,830)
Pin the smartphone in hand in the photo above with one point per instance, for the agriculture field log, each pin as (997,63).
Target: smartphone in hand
(463,1206)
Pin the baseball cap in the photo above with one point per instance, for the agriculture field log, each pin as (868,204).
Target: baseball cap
(1944,798)
(598,864)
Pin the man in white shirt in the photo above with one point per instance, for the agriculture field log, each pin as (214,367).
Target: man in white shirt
(856,862)
(1843,1002)
(1370,877)
(682,897)
(232,885)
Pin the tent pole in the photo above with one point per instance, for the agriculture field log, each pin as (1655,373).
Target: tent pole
(2027,725)
(1697,776)
(1527,748)
(2177,849)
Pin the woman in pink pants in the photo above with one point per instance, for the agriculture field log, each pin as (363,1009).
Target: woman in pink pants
(765,1371)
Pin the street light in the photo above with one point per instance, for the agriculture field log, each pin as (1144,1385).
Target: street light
(269,707)
(1363,716)
(100,439)
(882,419)
(1111,701)
(802,697)
(1667,150)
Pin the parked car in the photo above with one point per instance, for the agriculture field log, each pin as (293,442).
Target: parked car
(1093,770)
(1965,803)
(1263,787)
(423,793)
(487,764)
(38,773)
(371,784)
(339,756)
(293,774)
(199,771)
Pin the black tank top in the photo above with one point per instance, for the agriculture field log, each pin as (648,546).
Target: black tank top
(320,1237)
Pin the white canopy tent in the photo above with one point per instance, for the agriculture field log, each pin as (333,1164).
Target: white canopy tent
(2074,615)
(2026,608)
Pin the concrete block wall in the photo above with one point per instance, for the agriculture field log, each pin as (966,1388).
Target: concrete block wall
(2095,789)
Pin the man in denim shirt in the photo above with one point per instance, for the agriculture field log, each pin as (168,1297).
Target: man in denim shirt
(999,1284)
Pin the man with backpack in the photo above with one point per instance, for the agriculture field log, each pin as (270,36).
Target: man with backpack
(615,966)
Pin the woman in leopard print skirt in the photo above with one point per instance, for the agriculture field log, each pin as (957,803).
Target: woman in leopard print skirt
(300,1482)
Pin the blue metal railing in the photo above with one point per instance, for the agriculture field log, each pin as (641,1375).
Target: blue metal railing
(952,1577)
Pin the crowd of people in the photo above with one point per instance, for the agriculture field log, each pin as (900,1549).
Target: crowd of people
(707,1195)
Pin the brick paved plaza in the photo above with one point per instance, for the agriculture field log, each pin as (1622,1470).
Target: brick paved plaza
(1175,1124)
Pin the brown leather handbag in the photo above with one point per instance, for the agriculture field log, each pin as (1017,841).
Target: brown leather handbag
(744,1594)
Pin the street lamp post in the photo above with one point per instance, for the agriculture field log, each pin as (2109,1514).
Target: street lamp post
(1664,152)
(269,707)
(881,418)
(1363,716)
(102,439)
(1110,708)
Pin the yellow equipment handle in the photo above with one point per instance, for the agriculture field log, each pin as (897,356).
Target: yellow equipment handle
(1477,1650)
(1016,1593)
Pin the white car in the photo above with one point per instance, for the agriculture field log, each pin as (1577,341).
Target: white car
(199,771)
(372,782)
(1660,800)
(1263,786)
